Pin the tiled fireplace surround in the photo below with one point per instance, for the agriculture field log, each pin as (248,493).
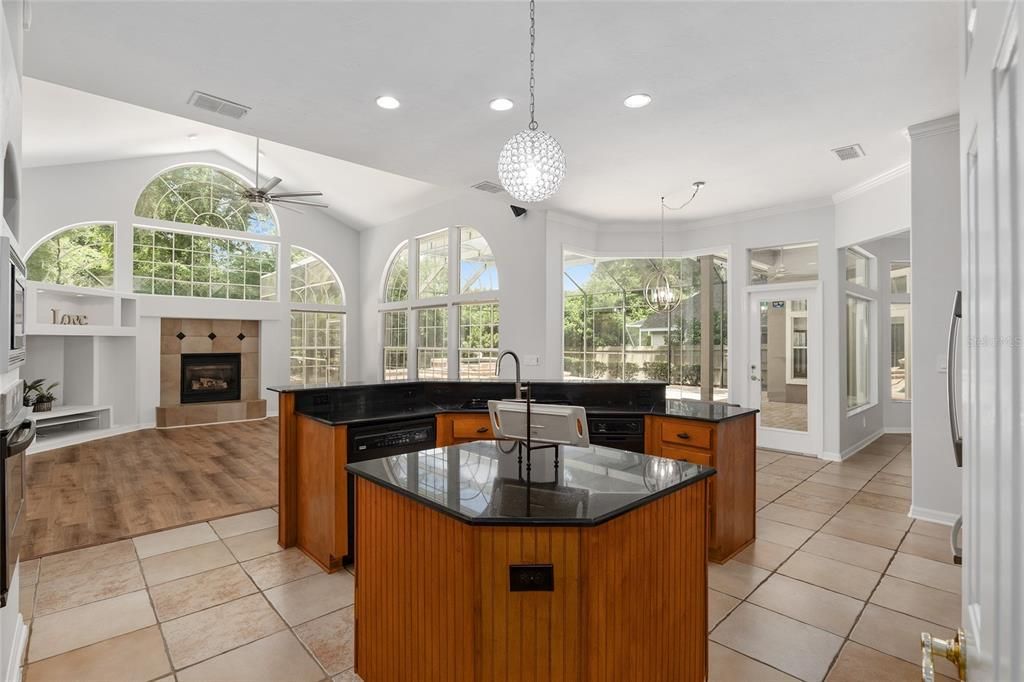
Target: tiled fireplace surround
(178,336)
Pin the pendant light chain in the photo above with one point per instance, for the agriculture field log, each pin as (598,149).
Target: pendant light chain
(663,233)
(533,59)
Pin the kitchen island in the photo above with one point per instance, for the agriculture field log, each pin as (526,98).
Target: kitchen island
(323,428)
(596,570)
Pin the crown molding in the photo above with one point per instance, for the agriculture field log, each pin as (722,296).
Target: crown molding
(726,219)
(938,126)
(862,187)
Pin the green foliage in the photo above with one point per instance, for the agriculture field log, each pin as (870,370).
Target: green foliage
(81,256)
(37,392)
(396,286)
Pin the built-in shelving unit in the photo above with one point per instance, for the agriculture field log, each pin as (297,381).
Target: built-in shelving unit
(68,423)
(84,311)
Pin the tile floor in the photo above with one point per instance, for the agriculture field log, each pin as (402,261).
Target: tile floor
(839,585)
(210,601)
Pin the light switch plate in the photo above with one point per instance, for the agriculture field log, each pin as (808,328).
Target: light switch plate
(531,360)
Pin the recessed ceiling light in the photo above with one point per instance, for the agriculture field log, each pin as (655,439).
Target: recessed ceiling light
(388,102)
(501,104)
(637,101)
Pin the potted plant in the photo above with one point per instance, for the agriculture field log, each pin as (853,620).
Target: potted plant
(39,395)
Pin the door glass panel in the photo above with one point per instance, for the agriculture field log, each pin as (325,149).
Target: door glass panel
(784,367)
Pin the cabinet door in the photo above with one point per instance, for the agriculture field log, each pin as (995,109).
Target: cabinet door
(691,455)
(690,434)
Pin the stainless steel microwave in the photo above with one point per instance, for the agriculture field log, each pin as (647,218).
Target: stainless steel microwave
(12,307)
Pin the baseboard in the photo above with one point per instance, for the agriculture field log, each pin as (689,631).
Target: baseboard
(831,456)
(897,429)
(933,515)
(867,440)
(17,651)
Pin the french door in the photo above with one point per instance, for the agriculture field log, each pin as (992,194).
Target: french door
(783,372)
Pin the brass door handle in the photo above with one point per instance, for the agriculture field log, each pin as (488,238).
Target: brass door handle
(953,650)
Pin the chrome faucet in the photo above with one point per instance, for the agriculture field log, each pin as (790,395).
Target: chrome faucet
(519,380)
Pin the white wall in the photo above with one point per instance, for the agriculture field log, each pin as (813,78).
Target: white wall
(935,253)
(874,209)
(57,196)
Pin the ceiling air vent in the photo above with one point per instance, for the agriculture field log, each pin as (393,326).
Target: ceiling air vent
(488,186)
(218,105)
(853,151)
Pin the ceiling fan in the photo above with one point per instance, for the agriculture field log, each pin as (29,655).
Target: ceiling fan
(257,194)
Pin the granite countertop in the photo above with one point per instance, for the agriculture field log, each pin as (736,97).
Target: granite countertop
(482,483)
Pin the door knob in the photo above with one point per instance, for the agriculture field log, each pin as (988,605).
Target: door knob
(953,650)
(754,377)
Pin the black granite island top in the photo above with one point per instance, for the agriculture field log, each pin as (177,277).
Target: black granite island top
(366,403)
(483,483)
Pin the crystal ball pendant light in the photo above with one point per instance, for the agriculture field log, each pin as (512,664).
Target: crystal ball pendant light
(531,164)
(663,292)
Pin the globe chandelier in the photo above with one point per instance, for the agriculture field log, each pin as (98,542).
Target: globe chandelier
(663,292)
(531,165)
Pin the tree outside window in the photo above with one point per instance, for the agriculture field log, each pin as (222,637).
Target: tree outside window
(80,256)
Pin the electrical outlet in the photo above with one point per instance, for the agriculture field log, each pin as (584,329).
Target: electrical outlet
(531,578)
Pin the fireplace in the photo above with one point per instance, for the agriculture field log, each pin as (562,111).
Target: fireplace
(210,377)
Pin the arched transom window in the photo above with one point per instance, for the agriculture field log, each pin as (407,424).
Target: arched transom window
(80,256)
(204,195)
(317,321)
(439,308)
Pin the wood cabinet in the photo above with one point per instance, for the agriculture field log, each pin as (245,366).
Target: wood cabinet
(729,447)
(321,495)
(461,427)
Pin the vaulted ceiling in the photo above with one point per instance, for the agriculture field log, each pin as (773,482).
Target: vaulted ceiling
(749,96)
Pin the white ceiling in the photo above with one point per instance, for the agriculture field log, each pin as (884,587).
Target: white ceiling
(63,125)
(750,96)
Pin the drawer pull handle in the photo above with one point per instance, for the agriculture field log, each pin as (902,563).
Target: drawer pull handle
(482,429)
(683,436)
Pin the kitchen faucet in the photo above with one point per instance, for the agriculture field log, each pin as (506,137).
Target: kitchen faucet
(519,381)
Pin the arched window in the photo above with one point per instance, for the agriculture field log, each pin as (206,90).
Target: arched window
(318,321)
(446,326)
(81,256)
(204,195)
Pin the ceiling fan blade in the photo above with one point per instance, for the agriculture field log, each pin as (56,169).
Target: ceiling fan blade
(271,184)
(287,208)
(300,203)
(285,195)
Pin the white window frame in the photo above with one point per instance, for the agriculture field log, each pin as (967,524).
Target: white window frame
(790,316)
(413,302)
(871,266)
(334,308)
(902,299)
(872,351)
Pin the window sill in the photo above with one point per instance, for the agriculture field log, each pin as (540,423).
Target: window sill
(860,408)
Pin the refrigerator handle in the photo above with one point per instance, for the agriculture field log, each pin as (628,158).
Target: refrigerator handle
(951,374)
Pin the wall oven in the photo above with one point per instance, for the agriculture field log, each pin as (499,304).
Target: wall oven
(12,307)
(16,435)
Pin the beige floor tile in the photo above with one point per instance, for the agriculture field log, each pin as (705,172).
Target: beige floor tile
(813,503)
(784,471)
(854,467)
(181,563)
(893,479)
(766,457)
(845,480)
(84,588)
(205,634)
(764,478)
(201,591)
(926,572)
(808,603)
(84,560)
(726,665)
(828,492)
(347,676)
(899,635)
(857,663)
(331,638)
(794,516)
(796,648)
(782,533)
(849,551)
(876,517)
(933,530)
(255,544)
(764,554)
(277,657)
(920,601)
(719,605)
(27,601)
(899,468)
(174,539)
(805,462)
(138,655)
(88,624)
(770,491)
(888,489)
(936,549)
(28,572)
(883,502)
(244,523)
(307,598)
(275,569)
(760,503)
(735,578)
(889,538)
(834,575)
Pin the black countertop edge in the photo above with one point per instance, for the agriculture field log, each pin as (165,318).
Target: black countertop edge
(706,472)
(300,388)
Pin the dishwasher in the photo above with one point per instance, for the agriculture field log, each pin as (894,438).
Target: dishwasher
(383,440)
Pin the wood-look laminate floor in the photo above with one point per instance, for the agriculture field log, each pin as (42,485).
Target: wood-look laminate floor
(146,481)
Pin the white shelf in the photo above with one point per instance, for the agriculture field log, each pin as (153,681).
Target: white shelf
(77,330)
(107,312)
(70,421)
